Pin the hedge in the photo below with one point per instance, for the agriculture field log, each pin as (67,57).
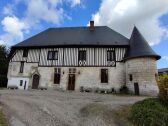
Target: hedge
(150,112)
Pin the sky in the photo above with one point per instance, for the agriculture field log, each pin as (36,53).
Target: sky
(21,19)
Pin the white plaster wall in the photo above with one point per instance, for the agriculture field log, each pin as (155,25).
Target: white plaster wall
(143,71)
(15,81)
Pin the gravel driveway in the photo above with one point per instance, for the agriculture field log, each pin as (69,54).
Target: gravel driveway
(54,108)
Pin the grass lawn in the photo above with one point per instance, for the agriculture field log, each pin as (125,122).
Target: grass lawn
(3,121)
(149,112)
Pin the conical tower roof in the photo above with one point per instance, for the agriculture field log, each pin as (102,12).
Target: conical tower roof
(139,47)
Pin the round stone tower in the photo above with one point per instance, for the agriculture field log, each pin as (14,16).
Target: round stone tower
(140,65)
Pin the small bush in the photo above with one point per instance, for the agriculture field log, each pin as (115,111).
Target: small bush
(163,87)
(150,112)
(124,90)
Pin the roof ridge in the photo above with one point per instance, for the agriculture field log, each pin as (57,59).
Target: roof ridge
(73,27)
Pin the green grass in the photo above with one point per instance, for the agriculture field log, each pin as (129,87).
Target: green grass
(107,114)
(3,121)
(149,112)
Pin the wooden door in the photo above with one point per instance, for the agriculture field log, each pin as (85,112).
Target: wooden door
(71,82)
(57,78)
(136,88)
(35,83)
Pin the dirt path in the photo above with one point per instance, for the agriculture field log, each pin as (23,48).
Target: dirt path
(54,108)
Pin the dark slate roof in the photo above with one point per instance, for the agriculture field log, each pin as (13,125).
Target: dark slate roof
(101,35)
(163,70)
(139,47)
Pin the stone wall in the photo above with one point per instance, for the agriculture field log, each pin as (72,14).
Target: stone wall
(143,71)
(88,77)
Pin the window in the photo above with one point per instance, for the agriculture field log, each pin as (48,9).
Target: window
(130,77)
(104,75)
(82,55)
(21,67)
(52,55)
(110,55)
(25,52)
(57,75)
(21,82)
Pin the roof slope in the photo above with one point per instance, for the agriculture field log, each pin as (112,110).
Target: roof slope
(101,35)
(139,47)
(163,70)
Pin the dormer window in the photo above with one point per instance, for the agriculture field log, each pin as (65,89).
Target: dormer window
(52,55)
(25,52)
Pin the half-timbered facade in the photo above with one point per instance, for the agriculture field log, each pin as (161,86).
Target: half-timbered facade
(83,57)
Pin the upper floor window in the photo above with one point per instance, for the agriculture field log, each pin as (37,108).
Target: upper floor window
(110,55)
(104,75)
(25,52)
(21,67)
(82,55)
(72,70)
(52,55)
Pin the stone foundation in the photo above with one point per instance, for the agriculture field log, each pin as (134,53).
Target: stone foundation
(88,77)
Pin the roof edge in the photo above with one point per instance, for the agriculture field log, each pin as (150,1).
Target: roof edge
(141,56)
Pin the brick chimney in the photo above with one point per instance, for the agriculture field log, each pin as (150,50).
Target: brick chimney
(91,27)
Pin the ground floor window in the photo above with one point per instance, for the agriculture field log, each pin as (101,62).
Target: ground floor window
(57,75)
(104,75)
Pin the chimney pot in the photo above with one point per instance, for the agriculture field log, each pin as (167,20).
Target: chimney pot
(91,25)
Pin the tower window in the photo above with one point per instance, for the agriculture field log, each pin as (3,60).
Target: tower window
(130,77)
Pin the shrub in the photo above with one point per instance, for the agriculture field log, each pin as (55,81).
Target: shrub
(124,89)
(163,87)
(150,112)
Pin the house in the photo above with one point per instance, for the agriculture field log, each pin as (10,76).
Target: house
(163,71)
(95,57)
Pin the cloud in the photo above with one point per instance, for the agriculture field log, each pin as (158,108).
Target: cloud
(13,28)
(165,58)
(74,2)
(36,12)
(13,25)
(122,15)
(42,10)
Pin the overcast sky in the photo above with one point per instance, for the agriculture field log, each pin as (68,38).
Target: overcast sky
(20,19)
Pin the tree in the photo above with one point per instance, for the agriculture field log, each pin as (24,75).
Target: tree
(3,65)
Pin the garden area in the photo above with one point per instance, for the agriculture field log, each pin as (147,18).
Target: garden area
(149,112)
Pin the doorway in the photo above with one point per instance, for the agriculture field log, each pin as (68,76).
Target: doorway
(71,82)
(136,88)
(35,82)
